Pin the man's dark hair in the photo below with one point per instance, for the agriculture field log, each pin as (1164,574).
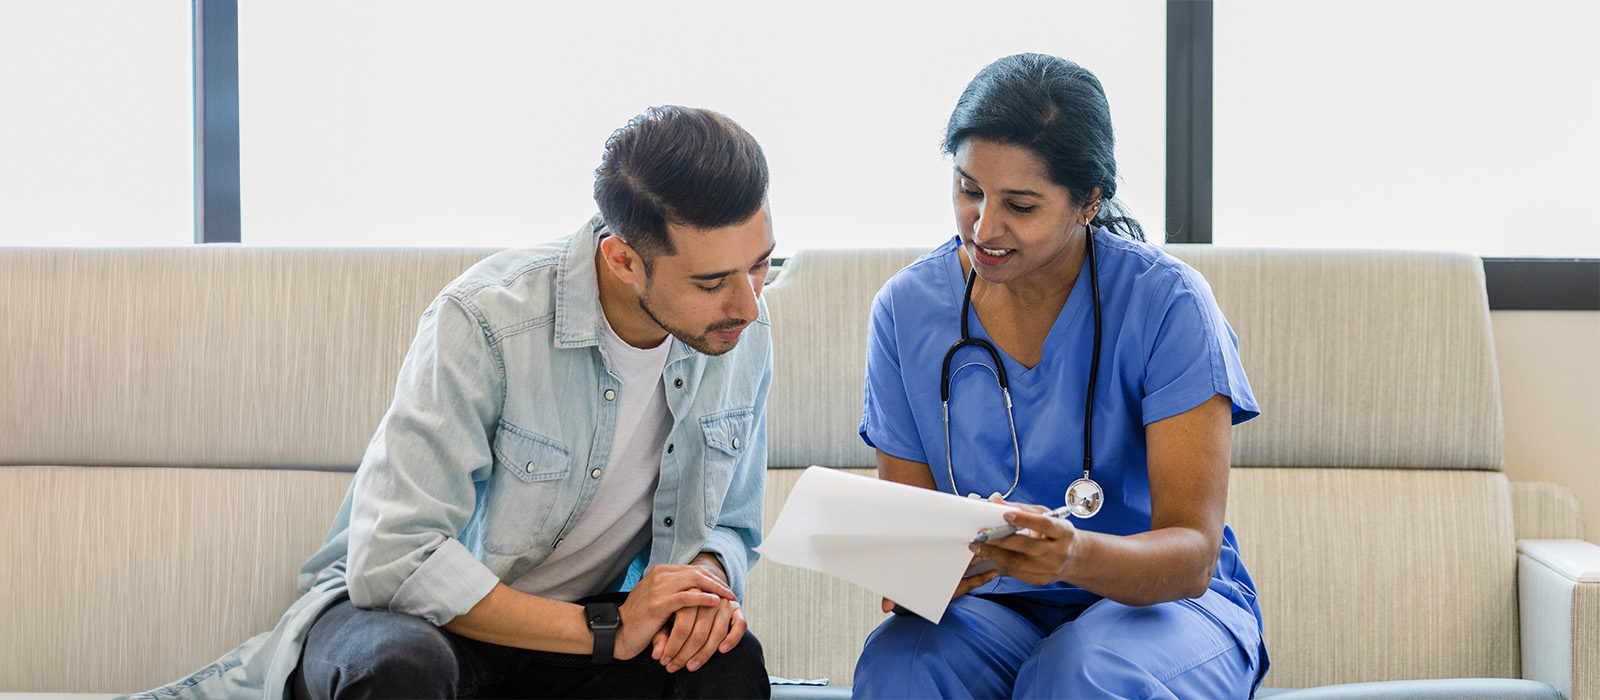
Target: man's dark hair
(678,165)
(1057,109)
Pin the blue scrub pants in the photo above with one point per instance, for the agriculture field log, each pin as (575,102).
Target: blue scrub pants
(985,648)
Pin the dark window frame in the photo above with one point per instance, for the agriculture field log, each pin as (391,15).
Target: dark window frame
(216,121)
(1549,284)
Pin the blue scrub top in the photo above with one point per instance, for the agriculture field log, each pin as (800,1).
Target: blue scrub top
(1165,348)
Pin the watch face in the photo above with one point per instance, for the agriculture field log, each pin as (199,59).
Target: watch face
(603,616)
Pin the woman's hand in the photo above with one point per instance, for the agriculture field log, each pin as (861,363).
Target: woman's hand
(976,576)
(1038,553)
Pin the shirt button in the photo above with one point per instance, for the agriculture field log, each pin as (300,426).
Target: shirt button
(557,544)
(736,443)
(595,474)
(529,468)
(667,521)
(677,383)
(669,448)
(610,394)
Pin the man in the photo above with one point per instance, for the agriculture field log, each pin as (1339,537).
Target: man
(568,418)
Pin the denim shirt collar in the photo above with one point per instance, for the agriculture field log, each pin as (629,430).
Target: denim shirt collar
(578,312)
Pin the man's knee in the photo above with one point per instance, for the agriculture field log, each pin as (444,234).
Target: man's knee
(354,653)
(740,673)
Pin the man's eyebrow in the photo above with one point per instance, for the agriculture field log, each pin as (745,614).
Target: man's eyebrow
(719,275)
(1025,193)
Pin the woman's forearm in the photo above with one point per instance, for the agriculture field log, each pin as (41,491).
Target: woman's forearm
(1159,566)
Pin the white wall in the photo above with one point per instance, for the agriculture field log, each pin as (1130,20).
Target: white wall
(1550,393)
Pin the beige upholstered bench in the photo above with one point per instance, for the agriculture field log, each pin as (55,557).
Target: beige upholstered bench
(178,425)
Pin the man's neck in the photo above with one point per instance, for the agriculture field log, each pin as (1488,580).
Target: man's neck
(620,304)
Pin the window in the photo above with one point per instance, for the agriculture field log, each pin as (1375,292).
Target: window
(96,123)
(1460,125)
(436,123)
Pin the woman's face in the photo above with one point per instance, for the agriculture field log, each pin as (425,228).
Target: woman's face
(1014,221)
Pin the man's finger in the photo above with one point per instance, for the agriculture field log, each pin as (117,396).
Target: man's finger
(735,630)
(718,632)
(657,645)
(687,599)
(682,626)
(699,634)
(696,577)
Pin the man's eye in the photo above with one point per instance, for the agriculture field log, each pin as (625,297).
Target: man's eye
(712,288)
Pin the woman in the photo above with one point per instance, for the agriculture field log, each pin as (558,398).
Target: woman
(1145,597)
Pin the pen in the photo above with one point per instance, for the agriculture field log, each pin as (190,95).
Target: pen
(996,533)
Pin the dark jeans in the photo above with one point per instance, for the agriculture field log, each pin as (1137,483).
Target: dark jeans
(354,653)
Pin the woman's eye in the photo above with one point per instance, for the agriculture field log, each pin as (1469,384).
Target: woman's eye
(1020,209)
(968,193)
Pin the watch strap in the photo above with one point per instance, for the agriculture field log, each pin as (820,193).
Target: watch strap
(603,619)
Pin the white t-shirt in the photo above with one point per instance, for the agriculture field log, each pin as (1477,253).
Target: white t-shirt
(615,528)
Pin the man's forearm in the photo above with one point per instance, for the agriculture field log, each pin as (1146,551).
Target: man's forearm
(511,618)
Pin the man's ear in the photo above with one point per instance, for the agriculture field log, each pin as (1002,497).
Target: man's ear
(622,259)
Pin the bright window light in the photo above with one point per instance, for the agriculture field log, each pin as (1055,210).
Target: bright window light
(96,123)
(1440,125)
(445,123)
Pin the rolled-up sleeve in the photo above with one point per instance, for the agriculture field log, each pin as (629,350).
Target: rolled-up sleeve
(738,529)
(416,489)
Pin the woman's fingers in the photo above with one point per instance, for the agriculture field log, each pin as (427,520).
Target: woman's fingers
(967,584)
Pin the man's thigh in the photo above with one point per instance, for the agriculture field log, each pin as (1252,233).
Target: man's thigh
(740,673)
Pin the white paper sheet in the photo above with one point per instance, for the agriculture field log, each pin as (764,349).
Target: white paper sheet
(905,543)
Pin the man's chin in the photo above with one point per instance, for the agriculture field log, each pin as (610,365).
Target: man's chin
(710,344)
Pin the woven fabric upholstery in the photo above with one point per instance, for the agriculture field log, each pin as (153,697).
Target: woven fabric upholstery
(810,625)
(134,577)
(1546,511)
(1360,358)
(819,306)
(1375,575)
(206,355)
(1585,641)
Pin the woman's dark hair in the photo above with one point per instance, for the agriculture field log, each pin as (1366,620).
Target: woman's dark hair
(1057,109)
(678,165)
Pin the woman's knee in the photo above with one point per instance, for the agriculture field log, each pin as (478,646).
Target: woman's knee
(975,651)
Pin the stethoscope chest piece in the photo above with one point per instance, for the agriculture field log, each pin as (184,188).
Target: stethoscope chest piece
(1084,497)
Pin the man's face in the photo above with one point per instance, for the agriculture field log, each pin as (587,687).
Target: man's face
(705,294)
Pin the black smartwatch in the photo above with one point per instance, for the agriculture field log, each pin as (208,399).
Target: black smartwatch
(604,621)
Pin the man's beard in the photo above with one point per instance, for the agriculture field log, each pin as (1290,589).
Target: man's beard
(700,343)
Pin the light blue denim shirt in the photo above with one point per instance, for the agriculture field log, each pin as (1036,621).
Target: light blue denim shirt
(485,460)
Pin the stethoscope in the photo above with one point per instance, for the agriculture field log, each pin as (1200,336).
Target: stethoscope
(1084,497)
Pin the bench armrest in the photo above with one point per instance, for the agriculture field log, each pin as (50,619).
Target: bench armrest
(1558,599)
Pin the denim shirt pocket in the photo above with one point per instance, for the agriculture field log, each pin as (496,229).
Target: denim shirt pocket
(727,439)
(529,476)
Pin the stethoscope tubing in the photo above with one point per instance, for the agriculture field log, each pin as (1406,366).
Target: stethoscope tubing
(967,340)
